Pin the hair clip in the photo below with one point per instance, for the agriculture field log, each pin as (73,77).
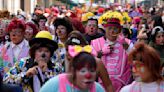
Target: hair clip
(155,29)
(75,40)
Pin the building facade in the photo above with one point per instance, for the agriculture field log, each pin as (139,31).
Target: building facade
(28,5)
(13,5)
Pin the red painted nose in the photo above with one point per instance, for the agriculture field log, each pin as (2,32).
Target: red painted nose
(88,76)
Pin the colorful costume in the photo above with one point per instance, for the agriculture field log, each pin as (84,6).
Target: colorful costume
(58,58)
(61,83)
(115,62)
(30,84)
(7,59)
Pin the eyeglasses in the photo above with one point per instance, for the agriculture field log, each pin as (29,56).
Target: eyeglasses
(115,29)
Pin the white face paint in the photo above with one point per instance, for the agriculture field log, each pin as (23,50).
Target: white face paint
(85,77)
(142,69)
(42,54)
(61,31)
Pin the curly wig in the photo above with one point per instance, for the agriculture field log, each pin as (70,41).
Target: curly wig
(16,23)
(64,22)
(33,26)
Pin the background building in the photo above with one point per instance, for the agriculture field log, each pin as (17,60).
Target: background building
(13,5)
(29,5)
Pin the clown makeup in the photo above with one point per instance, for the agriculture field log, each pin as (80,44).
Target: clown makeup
(61,31)
(91,27)
(16,35)
(138,66)
(29,29)
(85,77)
(42,23)
(42,54)
(42,57)
(111,34)
(141,72)
(113,31)
(28,33)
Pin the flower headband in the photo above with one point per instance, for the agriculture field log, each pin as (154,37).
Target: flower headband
(74,50)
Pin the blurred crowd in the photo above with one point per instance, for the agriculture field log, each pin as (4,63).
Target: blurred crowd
(100,49)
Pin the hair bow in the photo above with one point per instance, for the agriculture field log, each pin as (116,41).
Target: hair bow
(76,49)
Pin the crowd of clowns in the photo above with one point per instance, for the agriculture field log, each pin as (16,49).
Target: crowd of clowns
(116,49)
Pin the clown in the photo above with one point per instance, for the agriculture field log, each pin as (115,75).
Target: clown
(112,53)
(31,31)
(146,70)
(77,39)
(32,72)
(18,48)
(80,79)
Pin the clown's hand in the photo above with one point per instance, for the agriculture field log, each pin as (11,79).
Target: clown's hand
(43,66)
(31,71)
(106,50)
